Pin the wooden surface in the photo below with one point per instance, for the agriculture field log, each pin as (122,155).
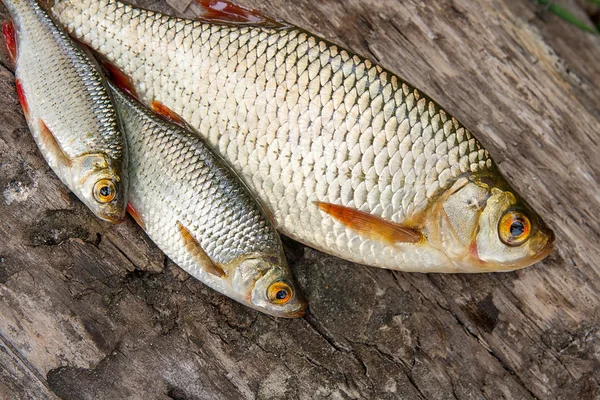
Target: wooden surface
(94,311)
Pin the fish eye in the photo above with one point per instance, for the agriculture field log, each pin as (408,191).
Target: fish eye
(279,293)
(514,228)
(105,191)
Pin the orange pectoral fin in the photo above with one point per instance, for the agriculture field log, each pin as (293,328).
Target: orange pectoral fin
(10,39)
(194,247)
(22,98)
(227,12)
(136,216)
(52,145)
(167,113)
(370,225)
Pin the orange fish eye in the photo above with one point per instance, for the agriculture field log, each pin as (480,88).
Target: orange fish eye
(280,293)
(105,191)
(514,228)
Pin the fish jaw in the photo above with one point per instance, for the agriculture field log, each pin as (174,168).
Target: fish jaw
(256,274)
(464,223)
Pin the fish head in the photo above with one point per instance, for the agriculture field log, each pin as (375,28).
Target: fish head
(268,285)
(482,225)
(102,186)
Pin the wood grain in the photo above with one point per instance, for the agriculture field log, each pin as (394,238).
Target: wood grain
(94,311)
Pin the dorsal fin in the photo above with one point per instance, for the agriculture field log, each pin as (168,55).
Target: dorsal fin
(119,78)
(10,39)
(196,250)
(167,113)
(223,11)
(370,225)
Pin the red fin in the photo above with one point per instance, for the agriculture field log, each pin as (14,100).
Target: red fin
(167,113)
(135,215)
(52,145)
(10,39)
(120,80)
(370,225)
(227,12)
(22,98)
(192,245)
(473,250)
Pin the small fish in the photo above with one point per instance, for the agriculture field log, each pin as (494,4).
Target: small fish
(197,210)
(348,157)
(68,109)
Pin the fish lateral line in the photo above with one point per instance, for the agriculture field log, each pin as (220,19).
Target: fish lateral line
(369,225)
(10,39)
(49,140)
(223,11)
(196,250)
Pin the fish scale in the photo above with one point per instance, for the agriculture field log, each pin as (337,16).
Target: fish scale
(300,119)
(74,68)
(230,231)
(68,109)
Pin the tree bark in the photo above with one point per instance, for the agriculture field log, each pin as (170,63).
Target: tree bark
(89,310)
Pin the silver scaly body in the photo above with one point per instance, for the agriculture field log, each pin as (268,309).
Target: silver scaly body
(175,181)
(64,90)
(302,121)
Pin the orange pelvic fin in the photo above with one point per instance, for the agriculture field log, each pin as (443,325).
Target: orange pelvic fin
(22,98)
(136,216)
(167,113)
(194,247)
(52,145)
(370,225)
(10,39)
(226,12)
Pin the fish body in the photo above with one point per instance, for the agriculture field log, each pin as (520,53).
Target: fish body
(68,109)
(349,159)
(201,215)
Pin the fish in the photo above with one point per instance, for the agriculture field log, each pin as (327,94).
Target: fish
(349,158)
(68,109)
(196,209)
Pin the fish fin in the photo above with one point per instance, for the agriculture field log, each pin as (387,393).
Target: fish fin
(194,247)
(370,225)
(22,98)
(167,113)
(10,39)
(270,215)
(52,145)
(136,216)
(226,12)
(118,77)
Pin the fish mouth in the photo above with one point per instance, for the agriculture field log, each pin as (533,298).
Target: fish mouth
(300,312)
(546,248)
(113,219)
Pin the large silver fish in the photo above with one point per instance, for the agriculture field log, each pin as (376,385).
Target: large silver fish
(197,210)
(349,158)
(68,109)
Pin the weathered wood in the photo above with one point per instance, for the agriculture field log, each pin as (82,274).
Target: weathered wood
(93,311)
